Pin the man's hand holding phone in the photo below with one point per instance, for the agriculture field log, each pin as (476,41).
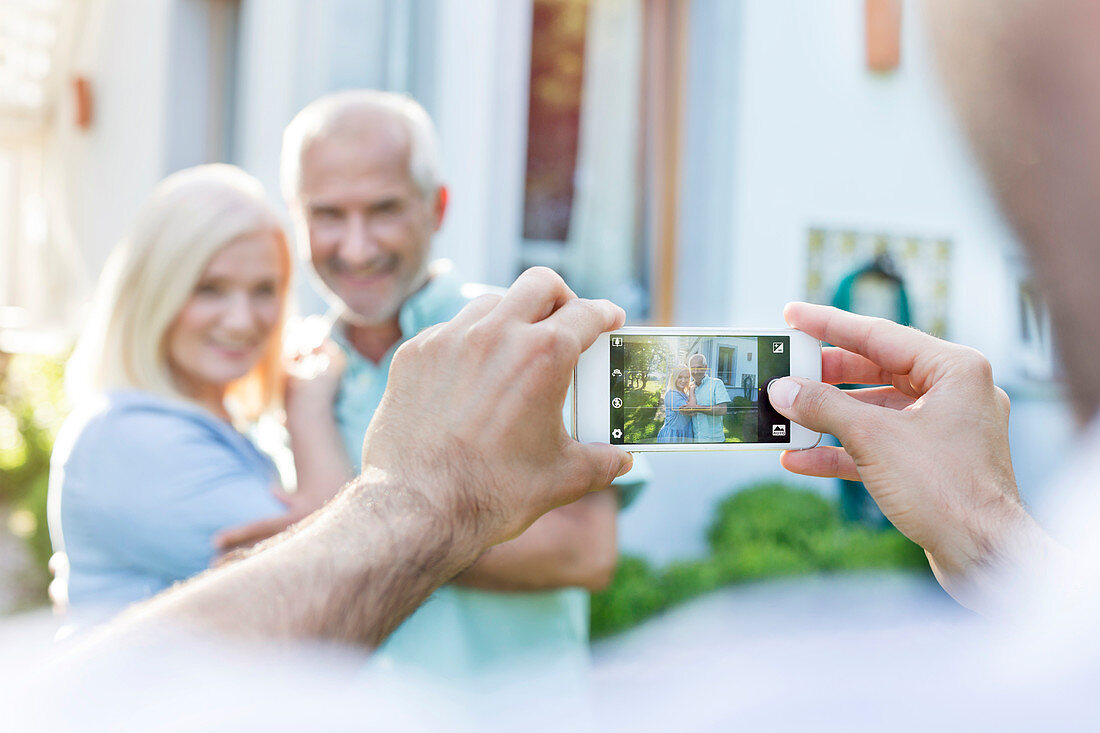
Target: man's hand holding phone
(931,447)
(691,389)
(488,389)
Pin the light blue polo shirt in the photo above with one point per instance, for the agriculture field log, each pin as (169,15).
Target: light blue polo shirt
(139,485)
(464,632)
(709,428)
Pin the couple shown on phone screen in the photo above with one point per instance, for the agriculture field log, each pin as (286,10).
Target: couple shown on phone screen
(695,405)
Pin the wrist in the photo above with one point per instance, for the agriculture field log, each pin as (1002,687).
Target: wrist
(431,532)
(304,416)
(975,569)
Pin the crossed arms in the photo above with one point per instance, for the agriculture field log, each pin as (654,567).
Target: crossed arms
(717,410)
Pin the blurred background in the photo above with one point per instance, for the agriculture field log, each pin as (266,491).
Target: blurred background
(700,162)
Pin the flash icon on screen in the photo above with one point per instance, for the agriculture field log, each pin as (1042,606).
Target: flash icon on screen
(616,403)
(777,347)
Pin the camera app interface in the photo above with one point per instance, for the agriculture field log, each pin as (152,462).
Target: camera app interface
(696,389)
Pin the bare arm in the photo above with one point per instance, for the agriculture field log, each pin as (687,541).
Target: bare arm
(931,448)
(313,381)
(716,410)
(573,545)
(351,574)
(320,461)
(694,408)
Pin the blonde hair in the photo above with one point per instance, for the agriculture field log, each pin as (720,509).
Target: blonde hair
(674,377)
(150,274)
(345,113)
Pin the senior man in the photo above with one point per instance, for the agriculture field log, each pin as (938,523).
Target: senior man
(708,419)
(361,177)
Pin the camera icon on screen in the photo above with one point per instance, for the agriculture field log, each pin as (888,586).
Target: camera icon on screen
(777,347)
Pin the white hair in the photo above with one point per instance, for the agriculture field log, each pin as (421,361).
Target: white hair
(150,274)
(342,113)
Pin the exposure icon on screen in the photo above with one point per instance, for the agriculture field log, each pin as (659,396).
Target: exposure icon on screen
(777,347)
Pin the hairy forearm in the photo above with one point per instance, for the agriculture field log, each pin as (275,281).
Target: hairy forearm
(320,461)
(998,554)
(572,546)
(307,584)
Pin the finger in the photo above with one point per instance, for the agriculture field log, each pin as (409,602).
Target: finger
(894,348)
(580,321)
(840,366)
(307,335)
(826,461)
(889,397)
(250,534)
(598,464)
(476,309)
(820,407)
(534,295)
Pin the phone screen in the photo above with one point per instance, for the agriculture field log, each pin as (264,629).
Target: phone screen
(684,388)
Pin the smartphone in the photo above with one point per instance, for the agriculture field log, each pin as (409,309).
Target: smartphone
(691,389)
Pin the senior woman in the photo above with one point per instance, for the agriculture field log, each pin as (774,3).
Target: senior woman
(181,354)
(679,393)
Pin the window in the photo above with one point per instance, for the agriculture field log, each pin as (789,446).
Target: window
(599,182)
(727,365)
(558,31)
(1036,354)
(39,280)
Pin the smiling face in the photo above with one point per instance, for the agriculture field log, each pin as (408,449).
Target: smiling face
(682,380)
(223,328)
(368,224)
(698,364)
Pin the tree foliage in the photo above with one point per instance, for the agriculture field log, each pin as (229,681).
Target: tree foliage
(32,407)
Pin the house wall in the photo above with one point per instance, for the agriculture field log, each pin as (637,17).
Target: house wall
(112,165)
(815,139)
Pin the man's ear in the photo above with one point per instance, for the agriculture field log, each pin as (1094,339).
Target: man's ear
(442,196)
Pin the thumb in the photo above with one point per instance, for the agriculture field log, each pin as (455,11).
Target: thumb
(817,406)
(599,464)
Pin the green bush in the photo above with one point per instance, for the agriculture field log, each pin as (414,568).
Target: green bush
(640,406)
(765,531)
(31,410)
